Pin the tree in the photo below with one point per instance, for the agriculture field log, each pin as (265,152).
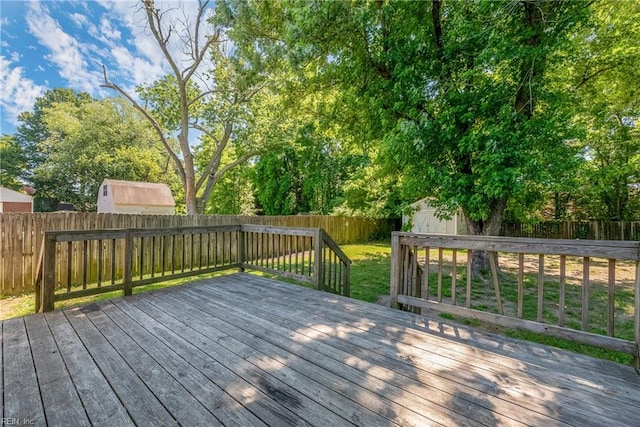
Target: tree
(13,163)
(458,94)
(32,130)
(211,101)
(89,142)
(605,78)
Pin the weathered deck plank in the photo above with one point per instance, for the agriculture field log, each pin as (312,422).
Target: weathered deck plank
(173,395)
(305,355)
(242,350)
(282,393)
(194,348)
(141,404)
(535,384)
(59,396)
(98,398)
(459,399)
(308,378)
(21,392)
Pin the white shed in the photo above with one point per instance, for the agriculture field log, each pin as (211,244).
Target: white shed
(13,201)
(424,220)
(132,197)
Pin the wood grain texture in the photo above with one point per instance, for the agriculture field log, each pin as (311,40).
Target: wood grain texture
(212,353)
(21,389)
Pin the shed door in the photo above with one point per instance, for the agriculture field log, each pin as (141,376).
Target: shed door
(425,221)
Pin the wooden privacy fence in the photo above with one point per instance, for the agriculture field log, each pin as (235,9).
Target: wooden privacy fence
(564,288)
(21,235)
(81,263)
(590,230)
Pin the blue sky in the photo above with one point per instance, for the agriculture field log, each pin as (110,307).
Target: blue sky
(58,43)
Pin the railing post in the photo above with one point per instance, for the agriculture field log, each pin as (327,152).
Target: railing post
(128,263)
(241,255)
(49,273)
(395,269)
(318,262)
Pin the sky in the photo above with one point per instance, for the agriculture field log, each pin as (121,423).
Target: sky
(61,43)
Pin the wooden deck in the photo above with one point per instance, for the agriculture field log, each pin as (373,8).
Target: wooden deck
(243,350)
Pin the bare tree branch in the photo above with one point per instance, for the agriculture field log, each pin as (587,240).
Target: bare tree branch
(154,123)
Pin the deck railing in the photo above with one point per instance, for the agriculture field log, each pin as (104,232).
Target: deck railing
(564,288)
(80,263)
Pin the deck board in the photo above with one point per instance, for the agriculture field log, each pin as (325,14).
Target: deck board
(536,384)
(59,396)
(242,350)
(21,392)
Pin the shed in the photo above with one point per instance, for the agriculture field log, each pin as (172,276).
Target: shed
(132,197)
(424,220)
(14,201)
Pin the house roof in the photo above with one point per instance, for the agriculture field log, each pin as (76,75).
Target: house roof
(7,195)
(139,193)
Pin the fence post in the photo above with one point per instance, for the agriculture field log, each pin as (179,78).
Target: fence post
(318,262)
(128,263)
(395,268)
(49,273)
(241,256)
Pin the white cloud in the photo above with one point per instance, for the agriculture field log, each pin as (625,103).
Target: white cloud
(107,30)
(65,51)
(18,93)
(79,19)
(40,68)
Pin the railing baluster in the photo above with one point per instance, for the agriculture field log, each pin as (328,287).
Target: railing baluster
(100,260)
(439,296)
(425,275)
(173,254)
(520,284)
(585,294)
(611,294)
(278,251)
(141,257)
(69,263)
(304,249)
(113,261)
(540,308)
(297,238)
(163,250)
(85,254)
(454,274)
(469,271)
(563,274)
(153,256)
(493,264)
(215,249)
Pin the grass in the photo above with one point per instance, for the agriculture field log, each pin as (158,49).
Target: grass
(370,280)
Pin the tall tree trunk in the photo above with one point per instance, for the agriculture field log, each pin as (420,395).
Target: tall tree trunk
(488,227)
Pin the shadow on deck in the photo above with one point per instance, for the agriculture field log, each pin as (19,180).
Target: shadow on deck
(244,350)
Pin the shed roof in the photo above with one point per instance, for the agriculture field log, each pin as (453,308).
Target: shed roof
(139,193)
(7,195)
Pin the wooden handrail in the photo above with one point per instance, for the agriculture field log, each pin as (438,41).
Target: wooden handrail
(410,284)
(96,261)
